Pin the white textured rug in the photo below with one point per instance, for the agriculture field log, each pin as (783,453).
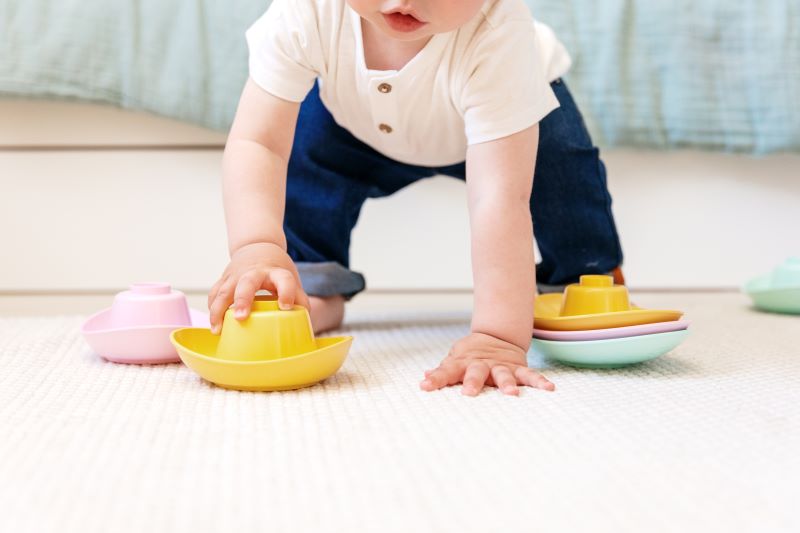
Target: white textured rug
(706,439)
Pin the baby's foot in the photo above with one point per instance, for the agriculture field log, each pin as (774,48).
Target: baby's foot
(326,313)
(619,277)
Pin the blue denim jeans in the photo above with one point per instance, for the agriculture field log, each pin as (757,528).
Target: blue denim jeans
(331,175)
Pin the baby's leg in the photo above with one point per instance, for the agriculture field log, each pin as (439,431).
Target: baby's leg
(570,203)
(330,175)
(571,206)
(326,313)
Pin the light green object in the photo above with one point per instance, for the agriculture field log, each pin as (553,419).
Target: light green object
(778,301)
(611,353)
(779,291)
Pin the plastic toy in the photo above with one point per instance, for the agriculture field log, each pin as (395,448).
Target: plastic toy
(778,291)
(594,303)
(271,350)
(136,328)
(611,353)
(611,333)
(594,325)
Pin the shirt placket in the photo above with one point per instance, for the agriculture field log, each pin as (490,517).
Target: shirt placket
(383,94)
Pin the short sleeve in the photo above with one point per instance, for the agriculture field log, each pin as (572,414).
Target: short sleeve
(285,55)
(505,88)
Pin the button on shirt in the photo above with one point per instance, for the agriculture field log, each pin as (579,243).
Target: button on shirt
(484,81)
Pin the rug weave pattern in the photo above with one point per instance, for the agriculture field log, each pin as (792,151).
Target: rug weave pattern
(707,438)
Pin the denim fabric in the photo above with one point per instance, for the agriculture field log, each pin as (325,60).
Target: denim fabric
(331,175)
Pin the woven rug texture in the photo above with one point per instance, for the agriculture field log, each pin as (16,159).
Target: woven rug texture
(706,438)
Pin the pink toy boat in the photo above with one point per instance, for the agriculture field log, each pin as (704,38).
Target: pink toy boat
(137,327)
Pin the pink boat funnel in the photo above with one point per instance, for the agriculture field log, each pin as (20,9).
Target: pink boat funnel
(150,304)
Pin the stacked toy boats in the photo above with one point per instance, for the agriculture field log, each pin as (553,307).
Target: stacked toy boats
(273,349)
(593,324)
(778,291)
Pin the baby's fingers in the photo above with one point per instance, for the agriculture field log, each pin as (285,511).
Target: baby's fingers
(475,378)
(530,377)
(221,302)
(212,294)
(246,292)
(302,298)
(505,380)
(285,286)
(442,377)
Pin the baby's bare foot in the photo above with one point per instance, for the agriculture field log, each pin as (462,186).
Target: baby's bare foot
(326,313)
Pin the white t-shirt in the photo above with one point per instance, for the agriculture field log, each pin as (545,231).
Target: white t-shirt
(484,81)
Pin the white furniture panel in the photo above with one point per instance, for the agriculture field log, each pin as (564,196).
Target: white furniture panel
(692,219)
(101,219)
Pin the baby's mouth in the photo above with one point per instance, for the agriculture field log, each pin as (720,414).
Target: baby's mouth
(403,22)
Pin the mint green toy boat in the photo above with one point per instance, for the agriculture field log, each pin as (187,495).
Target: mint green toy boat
(610,353)
(779,291)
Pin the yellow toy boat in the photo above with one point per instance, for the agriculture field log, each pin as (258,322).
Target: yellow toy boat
(271,350)
(594,303)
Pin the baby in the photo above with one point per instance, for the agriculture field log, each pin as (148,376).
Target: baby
(355,99)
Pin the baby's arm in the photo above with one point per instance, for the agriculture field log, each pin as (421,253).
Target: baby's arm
(499,183)
(254,188)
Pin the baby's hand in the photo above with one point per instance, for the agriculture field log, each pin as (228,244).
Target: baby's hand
(478,360)
(254,267)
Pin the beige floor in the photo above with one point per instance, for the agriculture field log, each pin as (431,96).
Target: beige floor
(705,438)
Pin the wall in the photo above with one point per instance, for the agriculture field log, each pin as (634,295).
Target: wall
(92,198)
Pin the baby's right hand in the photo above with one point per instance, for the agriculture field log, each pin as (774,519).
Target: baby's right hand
(254,267)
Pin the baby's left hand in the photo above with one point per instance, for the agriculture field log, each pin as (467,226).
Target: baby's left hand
(479,359)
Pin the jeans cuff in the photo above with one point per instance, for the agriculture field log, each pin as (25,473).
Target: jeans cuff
(329,279)
(544,288)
